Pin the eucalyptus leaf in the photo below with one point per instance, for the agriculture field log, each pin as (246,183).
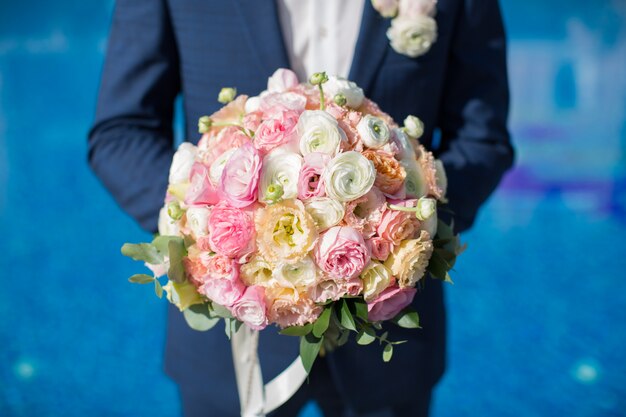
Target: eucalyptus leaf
(158,288)
(218,310)
(407,319)
(197,317)
(347,321)
(309,349)
(142,252)
(322,322)
(363,338)
(141,279)
(297,330)
(161,243)
(177,252)
(387,352)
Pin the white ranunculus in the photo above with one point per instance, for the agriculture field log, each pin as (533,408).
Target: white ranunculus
(352,92)
(280,167)
(412,36)
(252,104)
(426,207)
(215,171)
(413,127)
(325,211)
(183,159)
(318,131)
(349,176)
(441,178)
(376,278)
(415,8)
(386,8)
(282,80)
(301,274)
(373,131)
(167,225)
(197,221)
(415,183)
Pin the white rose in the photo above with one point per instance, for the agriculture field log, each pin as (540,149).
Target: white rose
(349,176)
(412,36)
(373,131)
(441,179)
(197,221)
(217,167)
(352,92)
(415,8)
(301,274)
(413,127)
(167,225)
(376,278)
(319,132)
(325,211)
(280,167)
(252,104)
(426,207)
(386,8)
(183,159)
(282,80)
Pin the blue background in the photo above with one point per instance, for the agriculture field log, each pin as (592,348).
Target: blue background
(536,313)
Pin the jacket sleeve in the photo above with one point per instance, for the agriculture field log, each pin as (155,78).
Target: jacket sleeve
(475,146)
(131,141)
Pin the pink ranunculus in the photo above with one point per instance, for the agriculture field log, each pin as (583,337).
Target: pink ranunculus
(222,284)
(310,182)
(276,131)
(282,80)
(231,232)
(200,191)
(396,226)
(251,308)
(239,183)
(341,252)
(389,303)
(273,103)
(379,248)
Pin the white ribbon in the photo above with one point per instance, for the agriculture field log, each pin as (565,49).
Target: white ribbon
(256,399)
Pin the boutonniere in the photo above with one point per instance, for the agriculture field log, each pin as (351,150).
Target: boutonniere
(413,27)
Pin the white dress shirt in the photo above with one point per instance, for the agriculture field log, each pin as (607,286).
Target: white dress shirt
(320,35)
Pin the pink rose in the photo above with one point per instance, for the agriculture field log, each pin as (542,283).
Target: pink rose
(341,252)
(310,182)
(231,232)
(273,103)
(200,191)
(240,178)
(251,121)
(389,303)
(276,131)
(212,146)
(365,213)
(222,284)
(379,248)
(282,80)
(251,309)
(396,226)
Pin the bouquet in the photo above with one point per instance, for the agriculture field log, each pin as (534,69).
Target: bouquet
(306,207)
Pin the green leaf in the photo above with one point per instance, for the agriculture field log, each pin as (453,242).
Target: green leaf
(437,266)
(383,337)
(345,317)
(218,310)
(142,252)
(343,339)
(387,352)
(365,337)
(448,279)
(197,317)
(322,322)
(297,330)
(309,349)
(407,319)
(177,252)
(361,309)
(161,243)
(141,279)
(158,288)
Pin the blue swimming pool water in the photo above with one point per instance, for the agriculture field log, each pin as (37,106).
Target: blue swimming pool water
(537,309)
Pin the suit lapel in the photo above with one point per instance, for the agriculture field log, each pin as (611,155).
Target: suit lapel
(371,46)
(260,20)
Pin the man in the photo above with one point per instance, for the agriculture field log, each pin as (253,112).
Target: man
(160,48)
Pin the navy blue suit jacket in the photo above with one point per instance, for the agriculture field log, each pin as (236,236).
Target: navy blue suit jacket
(161,48)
